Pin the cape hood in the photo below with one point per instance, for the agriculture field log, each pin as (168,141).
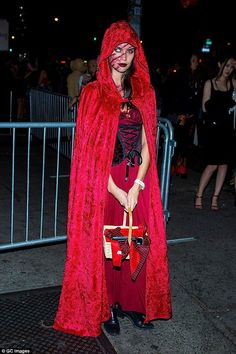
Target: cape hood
(84,302)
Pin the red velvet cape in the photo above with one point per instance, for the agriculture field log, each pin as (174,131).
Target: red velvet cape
(84,302)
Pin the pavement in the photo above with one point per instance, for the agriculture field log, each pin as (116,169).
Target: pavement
(202,270)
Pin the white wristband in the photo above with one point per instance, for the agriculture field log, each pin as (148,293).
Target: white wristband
(141,183)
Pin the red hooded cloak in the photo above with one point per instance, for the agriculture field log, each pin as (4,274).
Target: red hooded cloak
(84,302)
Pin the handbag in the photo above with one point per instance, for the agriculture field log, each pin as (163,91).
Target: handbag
(126,243)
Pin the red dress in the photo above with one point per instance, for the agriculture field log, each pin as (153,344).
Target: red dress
(124,172)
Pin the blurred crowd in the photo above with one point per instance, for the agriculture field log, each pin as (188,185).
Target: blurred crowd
(179,91)
(198,97)
(19,74)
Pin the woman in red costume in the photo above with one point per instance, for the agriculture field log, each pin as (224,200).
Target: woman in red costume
(114,168)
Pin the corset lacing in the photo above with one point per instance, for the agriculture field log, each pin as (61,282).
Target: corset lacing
(128,141)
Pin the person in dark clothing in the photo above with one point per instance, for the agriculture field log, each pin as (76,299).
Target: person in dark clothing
(182,103)
(217,100)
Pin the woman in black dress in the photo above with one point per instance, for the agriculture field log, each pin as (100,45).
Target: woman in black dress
(216,102)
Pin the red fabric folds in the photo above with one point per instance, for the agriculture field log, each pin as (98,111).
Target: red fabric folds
(84,302)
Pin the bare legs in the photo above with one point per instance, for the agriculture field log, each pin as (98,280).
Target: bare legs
(204,180)
(20,109)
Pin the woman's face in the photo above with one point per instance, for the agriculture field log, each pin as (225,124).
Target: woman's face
(194,62)
(229,67)
(122,57)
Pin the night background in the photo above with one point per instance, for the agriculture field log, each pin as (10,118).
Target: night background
(170,31)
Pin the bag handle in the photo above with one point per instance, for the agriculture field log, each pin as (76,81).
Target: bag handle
(130,223)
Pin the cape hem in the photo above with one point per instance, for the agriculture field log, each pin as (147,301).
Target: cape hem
(80,333)
(159,317)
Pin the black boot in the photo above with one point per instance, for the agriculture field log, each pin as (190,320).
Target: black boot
(112,326)
(136,318)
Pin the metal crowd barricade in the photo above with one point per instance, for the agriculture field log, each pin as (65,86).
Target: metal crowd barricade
(34,185)
(46,106)
(165,151)
(35,172)
(49,106)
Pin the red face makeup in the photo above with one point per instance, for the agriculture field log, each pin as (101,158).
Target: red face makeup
(122,57)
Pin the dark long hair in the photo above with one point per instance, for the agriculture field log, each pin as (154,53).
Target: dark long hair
(223,59)
(126,82)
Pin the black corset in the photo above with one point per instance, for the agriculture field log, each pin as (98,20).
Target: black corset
(128,139)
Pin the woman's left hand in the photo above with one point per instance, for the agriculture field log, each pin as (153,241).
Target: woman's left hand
(132,196)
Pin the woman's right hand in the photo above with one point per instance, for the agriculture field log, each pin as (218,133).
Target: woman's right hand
(118,193)
(121,196)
